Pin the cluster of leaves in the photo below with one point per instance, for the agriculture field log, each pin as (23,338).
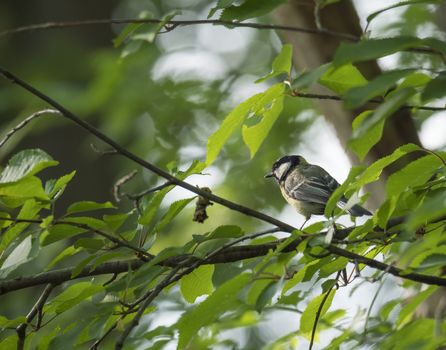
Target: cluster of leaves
(211,298)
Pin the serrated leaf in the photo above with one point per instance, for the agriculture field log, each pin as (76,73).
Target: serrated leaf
(26,163)
(234,120)
(59,232)
(369,49)
(407,311)
(197,283)
(370,137)
(82,206)
(28,211)
(431,209)
(52,187)
(16,193)
(357,96)
(435,89)
(224,298)
(249,9)
(341,79)
(392,103)
(226,231)
(253,136)
(174,209)
(417,172)
(281,64)
(72,296)
(309,315)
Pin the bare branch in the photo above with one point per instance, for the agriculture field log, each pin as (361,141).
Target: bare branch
(35,310)
(22,124)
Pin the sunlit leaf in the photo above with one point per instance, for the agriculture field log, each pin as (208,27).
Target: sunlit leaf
(309,315)
(82,206)
(342,79)
(197,283)
(281,64)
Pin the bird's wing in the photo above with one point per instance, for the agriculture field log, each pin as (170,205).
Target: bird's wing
(316,186)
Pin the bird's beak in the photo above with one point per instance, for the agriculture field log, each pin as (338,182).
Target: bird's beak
(269,175)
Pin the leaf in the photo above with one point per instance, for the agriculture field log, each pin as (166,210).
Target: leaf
(19,255)
(197,283)
(6,323)
(224,298)
(59,232)
(373,15)
(431,209)
(233,121)
(253,136)
(373,172)
(434,89)
(249,9)
(174,209)
(67,252)
(372,48)
(226,231)
(16,193)
(407,311)
(60,184)
(92,244)
(417,172)
(28,211)
(384,110)
(385,211)
(311,77)
(362,145)
(26,163)
(416,79)
(72,296)
(82,206)
(281,64)
(341,79)
(357,96)
(80,266)
(309,315)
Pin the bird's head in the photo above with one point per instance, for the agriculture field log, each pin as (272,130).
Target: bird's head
(284,165)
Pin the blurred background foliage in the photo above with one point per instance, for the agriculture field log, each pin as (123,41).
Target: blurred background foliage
(161,101)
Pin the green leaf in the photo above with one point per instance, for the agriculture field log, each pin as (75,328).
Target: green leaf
(435,88)
(358,96)
(59,184)
(384,110)
(67,252)
(26,163)
(362,145)
(407,311)
(82,206)
(281,64)
(174,209)
(19,255)
(86,220)
(385,211)
(80,266)
(131,28)
(72,296)
(28,211)
(373,15)
(59,232)
(115,221)
(224,298)
(6,323)
(415,79)
(92,244)
(311,77)
(249,9)
(431,209)
(16,193)
(369,49)
(226,231)
(265,296)
(417,172)
(253,136)
(197,283)
(255,104)
(341,79)
(309,315)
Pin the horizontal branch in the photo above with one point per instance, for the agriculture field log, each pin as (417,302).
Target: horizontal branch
(176,23)
(231,254)
(374,100)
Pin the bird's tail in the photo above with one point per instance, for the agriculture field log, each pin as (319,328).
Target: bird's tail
(356,210)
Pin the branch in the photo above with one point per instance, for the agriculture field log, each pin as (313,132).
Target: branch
(174,23)
(35,310)
(374,100)
(22,124)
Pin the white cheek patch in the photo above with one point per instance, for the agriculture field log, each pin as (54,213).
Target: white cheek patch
(282,169)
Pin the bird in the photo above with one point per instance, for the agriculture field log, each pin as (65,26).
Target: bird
(307,187)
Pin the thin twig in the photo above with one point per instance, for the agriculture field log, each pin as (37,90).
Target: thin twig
(318,315)
(374,100)
(174,24)
(35,310)
(22,124)
(123,180)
